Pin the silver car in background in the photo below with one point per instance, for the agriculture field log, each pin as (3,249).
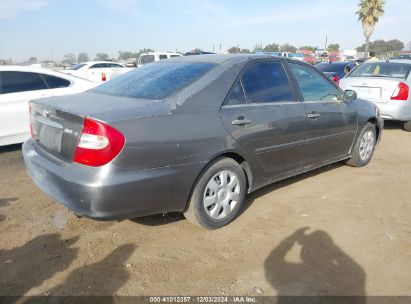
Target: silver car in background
(386,84)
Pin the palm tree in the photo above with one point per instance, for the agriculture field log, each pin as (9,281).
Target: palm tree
(369,13)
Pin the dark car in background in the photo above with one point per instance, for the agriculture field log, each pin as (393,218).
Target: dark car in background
(336,70)
(194,135)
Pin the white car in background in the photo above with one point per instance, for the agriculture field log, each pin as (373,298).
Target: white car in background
(155,56)
(19,85)
(97,71)
(386,84)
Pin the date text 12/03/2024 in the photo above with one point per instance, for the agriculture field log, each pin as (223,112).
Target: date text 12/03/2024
(203,299)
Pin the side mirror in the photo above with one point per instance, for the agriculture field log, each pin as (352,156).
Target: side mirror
(350,95)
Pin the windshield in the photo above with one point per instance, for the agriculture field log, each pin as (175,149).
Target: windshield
(155,81)
(144,59)
(76,66)
(382,69)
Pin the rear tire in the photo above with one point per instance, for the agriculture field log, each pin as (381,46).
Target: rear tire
(407,126)
(364,147)
(218,195)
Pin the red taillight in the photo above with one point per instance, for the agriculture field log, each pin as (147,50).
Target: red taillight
(103,77)
(336,79)
(401,92)
(99,143)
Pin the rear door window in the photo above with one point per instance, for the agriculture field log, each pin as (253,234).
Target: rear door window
(14,82)
(163,57)
(99,66)
(55,82)
(314,86)
(266,82)
(236,95)
(114,65)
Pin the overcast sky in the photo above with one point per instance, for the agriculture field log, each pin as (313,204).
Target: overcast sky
(48,29)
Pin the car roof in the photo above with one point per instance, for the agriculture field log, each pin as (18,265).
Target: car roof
(234,58)
(20,68)
(400,60)
(160,53)
(94,62)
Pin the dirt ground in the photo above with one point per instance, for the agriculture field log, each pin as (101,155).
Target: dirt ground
(335,231)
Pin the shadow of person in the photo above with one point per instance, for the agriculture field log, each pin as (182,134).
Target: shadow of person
(318,268)
(28,266)
(103,278)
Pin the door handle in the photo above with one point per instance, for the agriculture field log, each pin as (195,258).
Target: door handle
(314,115)
(241,121)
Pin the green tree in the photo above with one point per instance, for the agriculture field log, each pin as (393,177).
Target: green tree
(69,58)
(308,48)
(272,47)
(83,57)
(127,55)
(234,50)
(101,57)
(382,47)
(32,60)
(333,47)
(369,13)
(288,48)
(245,51)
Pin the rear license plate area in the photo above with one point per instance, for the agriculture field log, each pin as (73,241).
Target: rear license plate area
(49,134)
(368,93)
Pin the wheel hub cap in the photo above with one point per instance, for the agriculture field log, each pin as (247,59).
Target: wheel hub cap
(366,145)
(221,195)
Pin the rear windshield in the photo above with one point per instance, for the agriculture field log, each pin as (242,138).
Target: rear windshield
(76,66)
(155,81)
(144,59)
(329,67)
(382,69)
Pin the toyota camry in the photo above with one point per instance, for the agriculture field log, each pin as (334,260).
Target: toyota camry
(194,135)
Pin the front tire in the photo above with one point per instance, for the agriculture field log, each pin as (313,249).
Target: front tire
(407,126)
(364,147)
(218,195)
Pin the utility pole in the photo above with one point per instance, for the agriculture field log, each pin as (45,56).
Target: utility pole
(326,41)
(213,48)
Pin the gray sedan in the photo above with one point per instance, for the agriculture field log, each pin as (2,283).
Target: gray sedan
(194,135)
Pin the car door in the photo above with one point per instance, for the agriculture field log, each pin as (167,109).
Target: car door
(263,116)
(331,123)
(17,88)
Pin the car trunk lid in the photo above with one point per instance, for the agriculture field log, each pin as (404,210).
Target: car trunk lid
(56,123)
(375,89)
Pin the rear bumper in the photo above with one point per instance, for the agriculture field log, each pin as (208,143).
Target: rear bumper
(395,110)
(106,192)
